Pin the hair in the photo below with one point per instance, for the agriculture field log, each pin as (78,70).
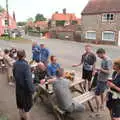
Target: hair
(117,62)
(52,57)
(88,45)
(6,51)
(100,51)
(21,54)
(60,72)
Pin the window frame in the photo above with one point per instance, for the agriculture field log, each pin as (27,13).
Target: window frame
(107,17)
(108,39)
(86,37)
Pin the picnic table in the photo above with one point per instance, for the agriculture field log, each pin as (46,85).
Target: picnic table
(45,91)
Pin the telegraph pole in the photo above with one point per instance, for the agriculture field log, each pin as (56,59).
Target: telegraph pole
(7,18)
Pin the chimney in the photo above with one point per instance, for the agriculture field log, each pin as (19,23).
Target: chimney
(64,11)
(14,16)
(56,12)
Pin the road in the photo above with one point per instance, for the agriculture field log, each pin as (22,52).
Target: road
(68,53)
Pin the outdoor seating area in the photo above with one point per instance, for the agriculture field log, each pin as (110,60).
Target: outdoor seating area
(60,90)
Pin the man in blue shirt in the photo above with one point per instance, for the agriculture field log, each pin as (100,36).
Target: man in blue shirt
(53,66)
(44,54)
(35,52)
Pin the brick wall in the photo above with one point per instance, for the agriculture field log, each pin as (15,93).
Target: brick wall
(94,23)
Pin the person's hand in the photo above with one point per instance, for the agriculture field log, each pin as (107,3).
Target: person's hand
(75,65)
(110,84)
(93,73)
(98,69)
(42,81)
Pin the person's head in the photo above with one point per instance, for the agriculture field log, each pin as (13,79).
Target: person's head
(53,59)
(60,73)
(21,54)
(34,43)
(42,45)
(88,48)
(41,66)
(6,51)
(101,53)
(116,65)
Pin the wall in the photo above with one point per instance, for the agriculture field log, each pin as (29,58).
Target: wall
(94,23)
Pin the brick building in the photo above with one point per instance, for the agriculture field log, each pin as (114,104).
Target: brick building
(4,22)
(101,21)
(65,18)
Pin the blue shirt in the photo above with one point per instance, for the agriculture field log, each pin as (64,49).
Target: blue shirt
(52,68)
(36,53)
(44,54)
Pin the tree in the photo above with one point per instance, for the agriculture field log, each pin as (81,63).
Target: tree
(30,19)
(1,8)
(40,17)
(21,23)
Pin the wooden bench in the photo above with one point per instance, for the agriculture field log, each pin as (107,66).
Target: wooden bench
(75,83)
(85,97)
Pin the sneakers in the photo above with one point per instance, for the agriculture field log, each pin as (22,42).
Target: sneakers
(11,84)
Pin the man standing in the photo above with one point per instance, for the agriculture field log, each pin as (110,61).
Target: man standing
(103,75)
(44,54)
(88,61)
(24,85)
(36,52)
(9,63)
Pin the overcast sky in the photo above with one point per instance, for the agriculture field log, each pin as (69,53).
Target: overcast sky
(29,8)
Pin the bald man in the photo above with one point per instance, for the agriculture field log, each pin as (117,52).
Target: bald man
(40,72)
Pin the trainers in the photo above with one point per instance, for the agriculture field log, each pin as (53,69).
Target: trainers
(11,84)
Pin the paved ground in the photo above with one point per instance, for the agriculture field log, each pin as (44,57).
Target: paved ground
(68,53)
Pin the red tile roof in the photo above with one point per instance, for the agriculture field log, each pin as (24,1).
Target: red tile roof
(61,16)
(101,6)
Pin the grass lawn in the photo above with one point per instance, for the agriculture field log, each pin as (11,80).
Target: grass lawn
(16,40)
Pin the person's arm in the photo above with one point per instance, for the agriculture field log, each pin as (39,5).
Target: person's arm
(14,70)
(28,79)
(49,72)
(81,62)
(48,53)
(108,69)
(49,81)
(112,85)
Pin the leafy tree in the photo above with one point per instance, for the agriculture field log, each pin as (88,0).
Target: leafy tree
(40,17)
(30,19)
(1,8)
(21,23)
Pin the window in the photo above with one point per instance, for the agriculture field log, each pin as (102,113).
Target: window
(91,35)
(6,22)
(108,35)
(107,17)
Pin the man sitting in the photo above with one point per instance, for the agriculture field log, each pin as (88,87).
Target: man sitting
(63,94)
(40,72)
(53,67)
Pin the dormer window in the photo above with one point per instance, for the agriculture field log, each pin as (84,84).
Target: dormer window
(107,17)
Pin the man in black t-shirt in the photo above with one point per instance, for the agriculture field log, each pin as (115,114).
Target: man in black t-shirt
(88,61)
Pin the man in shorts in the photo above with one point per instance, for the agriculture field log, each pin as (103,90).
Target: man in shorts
(103,75)
(88,61)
